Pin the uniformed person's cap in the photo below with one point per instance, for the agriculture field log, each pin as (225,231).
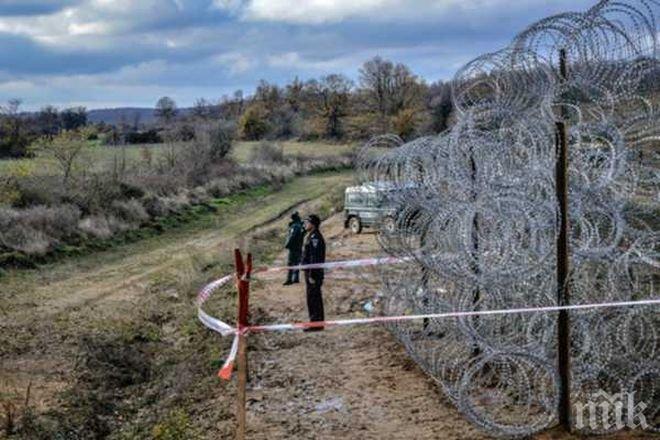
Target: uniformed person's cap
(313,219)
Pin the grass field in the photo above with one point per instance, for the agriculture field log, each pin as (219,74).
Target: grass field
(104,157)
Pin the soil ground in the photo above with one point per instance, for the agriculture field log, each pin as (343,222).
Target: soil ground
(341,383)
(352,383)
(348,382)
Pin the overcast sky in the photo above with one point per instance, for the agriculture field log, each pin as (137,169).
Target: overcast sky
(111,53)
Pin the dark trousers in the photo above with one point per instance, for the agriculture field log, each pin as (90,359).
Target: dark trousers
(293,276)
(314,299)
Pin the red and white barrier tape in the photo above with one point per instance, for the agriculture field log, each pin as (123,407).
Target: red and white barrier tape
(225,329)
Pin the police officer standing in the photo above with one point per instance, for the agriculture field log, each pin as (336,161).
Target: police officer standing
(294,244)
(313,253)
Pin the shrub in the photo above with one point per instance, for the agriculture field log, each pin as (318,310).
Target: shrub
(176,203)
(96,226)
(95,193)
(25,239)
(165,183)
(198,195)
(267,153)
(218,187)
(217,139)
(100,226)
(35,231)
(130,191)
(143,137)
(9,188)
(58,222)
(8,218)
(130,211)
(38,190)
(154,206)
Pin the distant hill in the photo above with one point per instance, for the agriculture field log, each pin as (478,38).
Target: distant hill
(114,116)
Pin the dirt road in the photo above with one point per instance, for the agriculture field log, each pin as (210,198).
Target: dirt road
(43,312)
(354,383)
(348,383)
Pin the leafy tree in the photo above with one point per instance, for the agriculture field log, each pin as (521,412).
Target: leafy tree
(14,136)
(165,110)
(404,123)
(74,118)
(48,121)
(253,124)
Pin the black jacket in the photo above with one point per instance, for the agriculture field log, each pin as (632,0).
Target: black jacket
(294,239)
(314,252)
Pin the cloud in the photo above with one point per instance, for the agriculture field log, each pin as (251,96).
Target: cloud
(101,51)
(32,7)
(312,11)
(236,62)
(318,12)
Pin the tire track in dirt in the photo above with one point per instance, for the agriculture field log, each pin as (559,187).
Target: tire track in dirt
(129,277)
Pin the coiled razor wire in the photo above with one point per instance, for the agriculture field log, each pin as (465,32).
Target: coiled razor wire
(476,209)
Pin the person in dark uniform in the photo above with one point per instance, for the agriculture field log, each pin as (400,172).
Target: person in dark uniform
(294,244)
(313,253)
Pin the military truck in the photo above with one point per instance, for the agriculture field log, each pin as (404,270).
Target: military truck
(369,206)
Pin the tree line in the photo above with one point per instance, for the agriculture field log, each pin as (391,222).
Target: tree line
(387,98)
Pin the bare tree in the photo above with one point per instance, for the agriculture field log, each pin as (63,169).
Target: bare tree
(240,101)
(294,94)
(66,150)
(389,87)
(333,92)
(203,109)
(440,105)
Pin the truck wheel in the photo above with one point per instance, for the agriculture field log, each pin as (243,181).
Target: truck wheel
(355,224)
(388,226)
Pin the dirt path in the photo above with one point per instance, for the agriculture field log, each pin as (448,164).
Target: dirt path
(353,383)
(44,311)
(350,382)
(128,275)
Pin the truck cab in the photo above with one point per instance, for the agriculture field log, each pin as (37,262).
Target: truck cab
(369,206)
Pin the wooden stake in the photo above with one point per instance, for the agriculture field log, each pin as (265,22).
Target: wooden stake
(563,268)
(243,284)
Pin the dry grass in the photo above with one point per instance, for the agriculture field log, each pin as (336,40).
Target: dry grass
(106,157)
(119,329)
